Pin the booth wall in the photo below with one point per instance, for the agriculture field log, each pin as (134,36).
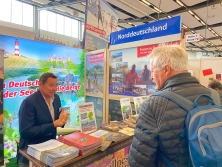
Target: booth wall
(212,65)
(1,106)
(25,60)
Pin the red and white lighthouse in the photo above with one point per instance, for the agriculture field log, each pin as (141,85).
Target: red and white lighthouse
(16,47)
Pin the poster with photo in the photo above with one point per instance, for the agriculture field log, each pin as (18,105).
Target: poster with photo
(137,103)
(125,108)
(119,88)
(129,72)
(24,62)
(1,107)
(87,117)
(218,77)
(117,57)
(100,20)
(139,90)
(151,89)
(95,73)
(117,78)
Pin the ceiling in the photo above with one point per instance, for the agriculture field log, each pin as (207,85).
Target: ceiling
(198,16)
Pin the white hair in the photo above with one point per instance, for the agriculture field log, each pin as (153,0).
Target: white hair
(174,55)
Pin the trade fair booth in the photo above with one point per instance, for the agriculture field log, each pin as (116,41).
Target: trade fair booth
(111,86)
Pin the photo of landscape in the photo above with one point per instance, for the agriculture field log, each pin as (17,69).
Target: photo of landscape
(24,62)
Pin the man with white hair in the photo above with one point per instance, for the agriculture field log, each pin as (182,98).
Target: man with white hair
(161,122)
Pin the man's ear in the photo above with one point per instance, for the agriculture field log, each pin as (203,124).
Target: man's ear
(167,69)
(216,89)
(40,84)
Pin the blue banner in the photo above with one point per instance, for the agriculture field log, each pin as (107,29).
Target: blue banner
(152,30)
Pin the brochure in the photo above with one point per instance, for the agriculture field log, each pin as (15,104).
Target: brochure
(87,117)
(126,108)
(137,103)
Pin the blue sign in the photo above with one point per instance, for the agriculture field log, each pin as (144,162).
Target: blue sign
(152,30)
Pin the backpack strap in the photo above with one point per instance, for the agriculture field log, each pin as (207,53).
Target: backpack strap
(169,164)
(215,96)
(181,101)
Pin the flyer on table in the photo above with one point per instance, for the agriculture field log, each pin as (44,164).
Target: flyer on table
(87,117)
(126,108)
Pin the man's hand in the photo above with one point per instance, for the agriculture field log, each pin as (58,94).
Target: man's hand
(63,117)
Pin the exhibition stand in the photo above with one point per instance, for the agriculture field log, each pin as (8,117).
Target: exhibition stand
(95,82)
(107,80)
(128,64)
(114,156)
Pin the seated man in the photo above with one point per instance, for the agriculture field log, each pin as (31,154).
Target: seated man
(216,85)
(39,115)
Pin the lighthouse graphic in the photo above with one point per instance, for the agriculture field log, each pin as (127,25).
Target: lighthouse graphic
(16,47)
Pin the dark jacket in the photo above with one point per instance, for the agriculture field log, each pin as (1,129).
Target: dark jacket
(35,121)
(220,93)
(161,123)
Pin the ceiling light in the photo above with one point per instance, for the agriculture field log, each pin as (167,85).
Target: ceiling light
(185,26)
(213,31)
(157,9)
(197,17)
(129,23)
(60,10)
(169,16)
(138,10)
(153,7)
(84,4)
(209,29)
(147,3)
(193,32)
(180,3)
(201,37)
(202,22)
(217,35)
(190,12)
(38,2)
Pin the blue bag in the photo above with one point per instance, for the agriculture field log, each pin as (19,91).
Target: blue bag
(203,129)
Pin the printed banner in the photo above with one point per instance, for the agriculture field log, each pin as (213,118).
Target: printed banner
(129,75)
(95,73)
(87,117)
(146,31)
(126,108)
(1,107)
(129,72)
(137,103)
(101,20)
(24,62)
(146,50)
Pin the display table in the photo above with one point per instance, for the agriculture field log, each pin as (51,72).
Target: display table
(115,155)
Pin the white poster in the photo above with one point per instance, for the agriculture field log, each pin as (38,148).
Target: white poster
(87,118)
(126,108)
(137,103)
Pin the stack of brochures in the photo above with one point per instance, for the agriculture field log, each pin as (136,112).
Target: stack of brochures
(86,143)
(131,122)
(120,124)
(52,152)
(127,131)
(107,138)
(110,127)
